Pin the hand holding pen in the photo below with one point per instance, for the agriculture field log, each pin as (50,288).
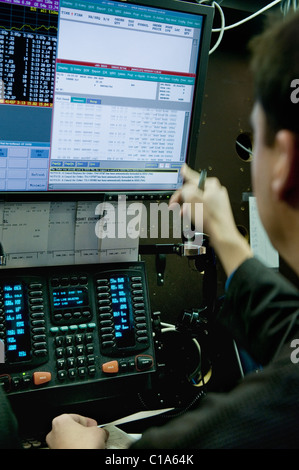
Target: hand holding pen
(218,219)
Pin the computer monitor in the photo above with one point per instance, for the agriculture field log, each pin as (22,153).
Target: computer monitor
(112,104)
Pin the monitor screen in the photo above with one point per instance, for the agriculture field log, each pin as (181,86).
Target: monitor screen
(100,95)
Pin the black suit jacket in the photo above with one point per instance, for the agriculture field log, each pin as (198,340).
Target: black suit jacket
(9,438)
(261,309)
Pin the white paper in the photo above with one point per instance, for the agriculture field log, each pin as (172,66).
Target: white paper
(64,233)
(119,439)
(25,233)
(118,232)
(137,416)
(259,240)
(61,240)
(86,241)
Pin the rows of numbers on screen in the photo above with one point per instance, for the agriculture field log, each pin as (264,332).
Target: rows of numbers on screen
(36,71)
(16,327)
(119,296)
(92,131)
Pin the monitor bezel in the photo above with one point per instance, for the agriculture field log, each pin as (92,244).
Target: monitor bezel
(201,73)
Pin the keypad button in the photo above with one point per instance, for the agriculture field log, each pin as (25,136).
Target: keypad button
(91,370)
(72,373)
(35,293)
(88,337)
(38,331)
(40,352)
(102,289)
(106,323)
(107,329)
(35,285)
(142,339)
(70,350)
(79,349)
(59,352)
(107,344)
(82,371)
(64,281)
(144,362)
(71,362)
(60,363)
(62,374)
(79,339)
(75,358)
(68,340)
(40,345)
(37,315)
(90,359)
(140,319)
(139,312)
(37,338)
(138,299)
(139,305)
(89,349)
(81,360)
(38,323)
(101,282)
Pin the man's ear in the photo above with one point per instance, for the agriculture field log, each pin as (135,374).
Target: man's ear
(285,183)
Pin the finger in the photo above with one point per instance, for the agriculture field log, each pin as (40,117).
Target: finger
(189,175)
(191,194)
(83,420)
(107,434)
(91,422)
(175,198)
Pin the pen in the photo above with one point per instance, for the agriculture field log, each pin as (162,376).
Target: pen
(202,179)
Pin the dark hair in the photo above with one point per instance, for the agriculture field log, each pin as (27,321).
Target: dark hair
(275,64)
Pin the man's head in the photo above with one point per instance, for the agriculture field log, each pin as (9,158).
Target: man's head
(275,120)
(275,64)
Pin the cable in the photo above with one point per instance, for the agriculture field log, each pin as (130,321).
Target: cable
(224,28)
(195,378)
(245,148)
(257,13)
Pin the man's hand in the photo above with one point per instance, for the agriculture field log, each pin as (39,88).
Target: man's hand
(230,246)
(72,431)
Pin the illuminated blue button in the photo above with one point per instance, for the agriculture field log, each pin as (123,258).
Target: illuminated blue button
(54,329)
(73,327)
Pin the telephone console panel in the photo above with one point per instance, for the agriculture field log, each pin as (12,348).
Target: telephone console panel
(73,325)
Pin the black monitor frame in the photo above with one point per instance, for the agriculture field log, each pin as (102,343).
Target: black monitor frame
(181,6)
